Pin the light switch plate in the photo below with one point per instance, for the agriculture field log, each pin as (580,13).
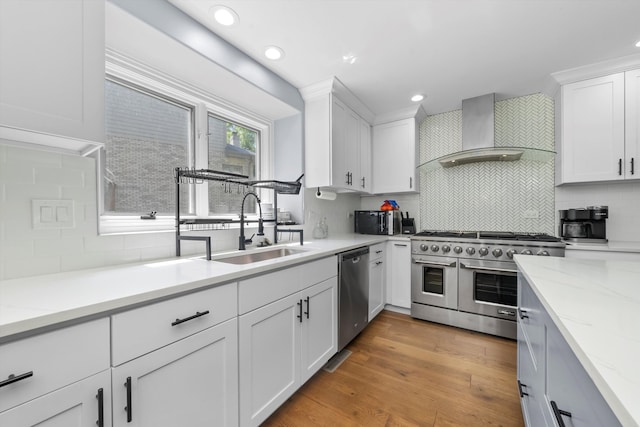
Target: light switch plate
(52,214)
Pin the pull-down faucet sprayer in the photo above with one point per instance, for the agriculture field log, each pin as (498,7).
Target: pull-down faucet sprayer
(242,241)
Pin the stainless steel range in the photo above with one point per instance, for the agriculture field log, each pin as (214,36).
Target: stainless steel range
(469,279)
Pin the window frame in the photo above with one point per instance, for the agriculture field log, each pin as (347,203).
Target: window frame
(139,76)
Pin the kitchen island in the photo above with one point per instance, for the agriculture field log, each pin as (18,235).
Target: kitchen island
(594,305)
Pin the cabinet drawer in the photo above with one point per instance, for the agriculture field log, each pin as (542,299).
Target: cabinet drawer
(261,290)
(377,251)
(531,318)
(54,359)
(142,330)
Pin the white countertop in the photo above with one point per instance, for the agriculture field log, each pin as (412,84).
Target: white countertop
(611,246)
(30,304)
(596,306)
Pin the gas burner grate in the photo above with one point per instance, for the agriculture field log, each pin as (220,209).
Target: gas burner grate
(458,234)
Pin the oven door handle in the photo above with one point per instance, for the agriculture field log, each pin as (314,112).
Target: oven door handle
(446,264)
(474,267)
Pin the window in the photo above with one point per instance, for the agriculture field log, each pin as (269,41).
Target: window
(152,127)
(232,148)
(147,136)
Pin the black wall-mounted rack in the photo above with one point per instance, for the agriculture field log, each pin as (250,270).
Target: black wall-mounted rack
(197,176)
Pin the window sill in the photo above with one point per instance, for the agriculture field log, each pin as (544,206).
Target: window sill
(135,225)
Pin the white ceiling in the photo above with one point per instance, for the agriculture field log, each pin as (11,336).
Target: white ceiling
(448,50)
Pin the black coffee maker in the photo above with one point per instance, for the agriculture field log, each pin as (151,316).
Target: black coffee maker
(584,225)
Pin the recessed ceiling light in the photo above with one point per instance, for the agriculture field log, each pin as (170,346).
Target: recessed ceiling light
(638,44)
(224,15)
(417,98)
(273,52)
(349,59)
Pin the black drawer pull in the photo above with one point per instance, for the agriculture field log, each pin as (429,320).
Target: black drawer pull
(559,413)
(378,262)
(522,393)
(100,397)
(15,378)
(186,319)
(129,407)
(632,171)
(307,312)
(522,314)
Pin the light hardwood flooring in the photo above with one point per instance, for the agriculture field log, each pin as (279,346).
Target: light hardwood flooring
(408,372)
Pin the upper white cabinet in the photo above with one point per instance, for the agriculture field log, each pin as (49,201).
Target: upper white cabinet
(52,70)
(395,155)
(337,138)
(599,129)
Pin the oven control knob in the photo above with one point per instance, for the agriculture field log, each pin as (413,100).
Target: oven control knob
(471,251)
(527,252)
(424,247)
(497,253)
(511,253)
(457,249)
(483,251)
(434,248)
(543,253)
(446,248)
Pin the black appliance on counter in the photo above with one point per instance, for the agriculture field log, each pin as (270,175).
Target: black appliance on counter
(378,222)
(584,225)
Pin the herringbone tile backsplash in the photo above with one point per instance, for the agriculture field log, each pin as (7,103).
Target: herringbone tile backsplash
(497,196)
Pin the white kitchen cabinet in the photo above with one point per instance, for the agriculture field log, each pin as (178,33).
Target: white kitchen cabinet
(283,343)
(52,68)
(336,136)
(365,157)
(394,156)
(193,381)
(51,361)
(399,273)
(175,362)
(377,279)
(600,137)
(549,373)
(80,404)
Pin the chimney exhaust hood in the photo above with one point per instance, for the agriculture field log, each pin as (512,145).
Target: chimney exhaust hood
(478,139)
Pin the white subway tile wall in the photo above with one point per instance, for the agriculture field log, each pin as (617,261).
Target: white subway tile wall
(27,174)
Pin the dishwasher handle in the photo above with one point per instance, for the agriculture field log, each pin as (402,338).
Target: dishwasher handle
(354,255)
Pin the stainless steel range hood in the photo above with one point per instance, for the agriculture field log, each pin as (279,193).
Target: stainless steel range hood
(478,135)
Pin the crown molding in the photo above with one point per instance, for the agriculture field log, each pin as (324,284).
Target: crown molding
(336,87)
(414,112)
(597,69)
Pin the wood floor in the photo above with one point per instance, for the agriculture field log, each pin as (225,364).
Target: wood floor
(408,372)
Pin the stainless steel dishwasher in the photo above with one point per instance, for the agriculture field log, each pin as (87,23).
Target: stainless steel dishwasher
(353,294)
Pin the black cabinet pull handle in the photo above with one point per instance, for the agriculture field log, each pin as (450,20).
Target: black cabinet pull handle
(307,312)
(100,397)
(129,407)
(299,316)
(522,393)
(559,413)
(363,181)
(522,314)
(347,174)
(632,172)
(15,378)
(410,182)
(619,166)
(186,319)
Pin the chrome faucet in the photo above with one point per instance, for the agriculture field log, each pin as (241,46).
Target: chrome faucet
(242,241)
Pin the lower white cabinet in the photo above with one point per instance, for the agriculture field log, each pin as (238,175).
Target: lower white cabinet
(554,387)
(83,403)
(192,382)
(399,273)
(377,279)
(282,345)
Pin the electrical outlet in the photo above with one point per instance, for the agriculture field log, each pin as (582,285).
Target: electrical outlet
(531,214)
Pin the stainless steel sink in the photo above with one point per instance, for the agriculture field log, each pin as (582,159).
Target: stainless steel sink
(249,257)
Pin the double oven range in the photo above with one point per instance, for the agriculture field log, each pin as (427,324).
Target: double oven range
(469,279)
